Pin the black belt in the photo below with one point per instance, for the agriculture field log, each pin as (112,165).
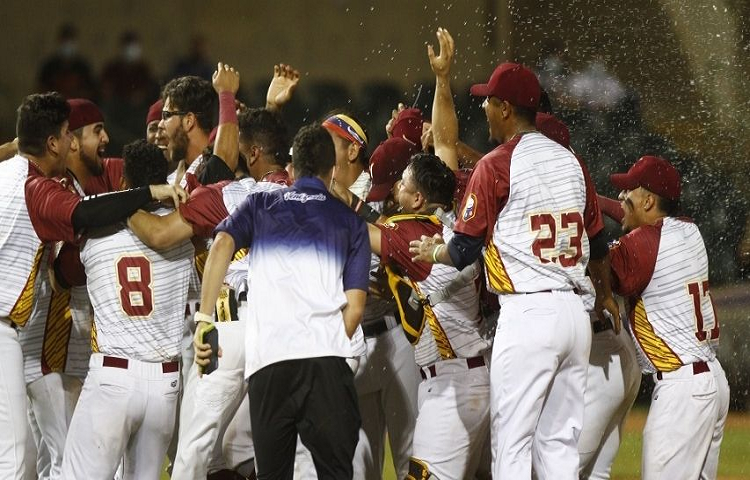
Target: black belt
(375,327)
(601,326)
(472,362)
(116,362)
(698,367)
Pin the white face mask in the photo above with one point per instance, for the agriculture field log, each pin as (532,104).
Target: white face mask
(68,49)
(132,52)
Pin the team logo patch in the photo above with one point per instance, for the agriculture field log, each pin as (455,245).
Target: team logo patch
(470,208)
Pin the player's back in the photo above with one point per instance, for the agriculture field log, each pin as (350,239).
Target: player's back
(540,233)
(20,250)
(138,295)
(674,318)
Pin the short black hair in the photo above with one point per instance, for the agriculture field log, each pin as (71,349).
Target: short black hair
(265,128)
(525,113)
(144,164)
(40,116)
(670,207)
(433,178)
(313,152)
(196,95)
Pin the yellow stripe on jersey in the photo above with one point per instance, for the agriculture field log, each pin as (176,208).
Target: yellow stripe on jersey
(57,332)
(94,342)
(200,263)
(657,351)
(22,309)
(240,254)
(496,275)
(441,338)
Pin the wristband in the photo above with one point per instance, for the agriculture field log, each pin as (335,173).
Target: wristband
(368,213)
(202,317)
(227,110)
(436,251)
(356,203)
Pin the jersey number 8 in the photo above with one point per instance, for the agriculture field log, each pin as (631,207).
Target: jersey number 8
(134,281)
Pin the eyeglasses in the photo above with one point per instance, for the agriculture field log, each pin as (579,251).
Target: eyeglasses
(166,114)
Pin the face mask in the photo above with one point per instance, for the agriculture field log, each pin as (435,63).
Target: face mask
(132,52)
(68,49)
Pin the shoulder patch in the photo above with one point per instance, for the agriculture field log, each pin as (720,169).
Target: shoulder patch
(470,208)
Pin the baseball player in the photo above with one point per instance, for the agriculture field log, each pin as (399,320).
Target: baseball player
(454,392)
(127,406)
(56,340)
(538,243)
(661,266)
(387,378)
(37,209)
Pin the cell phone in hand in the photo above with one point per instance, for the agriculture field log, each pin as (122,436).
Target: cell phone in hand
(210,335)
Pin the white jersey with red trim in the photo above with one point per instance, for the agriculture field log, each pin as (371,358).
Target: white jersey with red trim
(674,320)
(539,240)
(455,330)
(138,294)
(20,246)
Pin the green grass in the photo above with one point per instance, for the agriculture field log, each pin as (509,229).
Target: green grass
(734,462)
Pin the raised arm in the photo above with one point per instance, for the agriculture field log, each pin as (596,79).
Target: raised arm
(226,82)
(444,120)
(284,82)
(160,232)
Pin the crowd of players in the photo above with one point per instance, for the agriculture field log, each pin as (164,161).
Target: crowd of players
(469,302)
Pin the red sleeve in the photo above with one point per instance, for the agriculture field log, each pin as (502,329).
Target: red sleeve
(592,216)
(111,179)
(611,208)
(68,266)
(462,182)
(394,246)
(50,207)
(205,209)
(633,258)
(486,193)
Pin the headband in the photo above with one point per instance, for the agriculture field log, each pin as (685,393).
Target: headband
(345,127)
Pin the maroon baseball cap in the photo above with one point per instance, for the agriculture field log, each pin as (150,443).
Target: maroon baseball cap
(511,82)
(387,163)
(408,124)
(652,173)
(553,129)
(154,111)
(83,112)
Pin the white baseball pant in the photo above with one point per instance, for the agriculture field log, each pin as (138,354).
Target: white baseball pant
(53,399)
(613,380)
(123,413)
(538,378)
(685,423)
(387,383)
(209,405)
(13,405)
(453,424)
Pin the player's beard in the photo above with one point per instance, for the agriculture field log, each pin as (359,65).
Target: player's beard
(92,164)
(177,148)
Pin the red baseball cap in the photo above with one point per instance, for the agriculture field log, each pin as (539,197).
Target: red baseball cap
(652,173)
(408,124)
(553,129)
(511,82)
(83,112)
(387,163)
(154,111)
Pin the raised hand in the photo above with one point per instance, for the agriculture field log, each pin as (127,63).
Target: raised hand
(441,63)
(226,79)
(284,82)
(394,115)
